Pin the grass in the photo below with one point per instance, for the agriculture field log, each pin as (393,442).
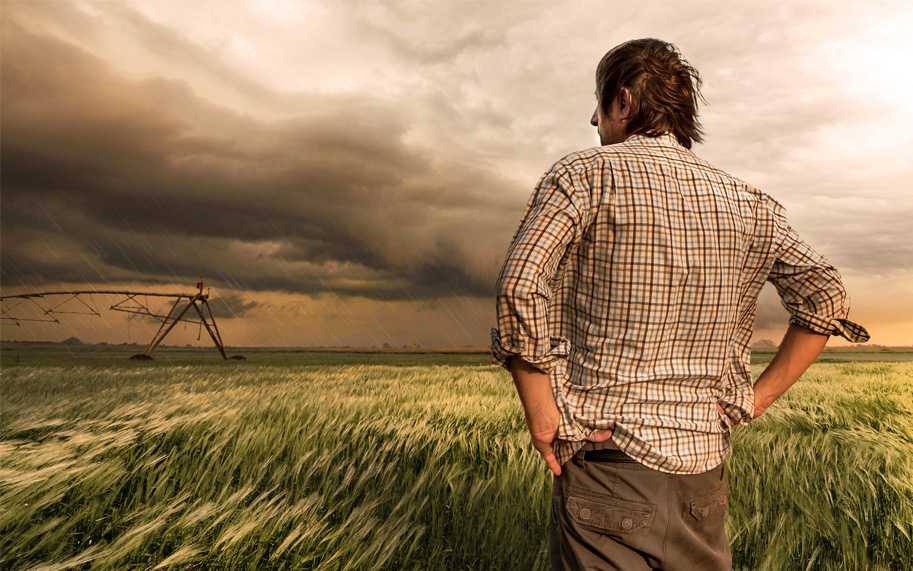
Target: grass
(825,479)
(261,465)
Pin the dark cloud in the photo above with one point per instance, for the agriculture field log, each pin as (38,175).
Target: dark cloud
(232,305)
(108,178)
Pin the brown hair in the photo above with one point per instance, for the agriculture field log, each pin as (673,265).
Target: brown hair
(664,88)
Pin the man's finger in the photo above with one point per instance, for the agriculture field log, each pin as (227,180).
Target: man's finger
(723,412)
(552,462)
(544,448)
(600,435)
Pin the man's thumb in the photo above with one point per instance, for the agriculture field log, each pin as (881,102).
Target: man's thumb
(600,435)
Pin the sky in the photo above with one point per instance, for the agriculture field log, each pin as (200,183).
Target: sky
(351,173)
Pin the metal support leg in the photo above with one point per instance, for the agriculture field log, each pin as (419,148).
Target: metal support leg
(213,331)
(166,327)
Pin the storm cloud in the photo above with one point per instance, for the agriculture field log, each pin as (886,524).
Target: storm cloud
(146,179)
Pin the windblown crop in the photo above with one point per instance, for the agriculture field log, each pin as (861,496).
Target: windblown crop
(377,467)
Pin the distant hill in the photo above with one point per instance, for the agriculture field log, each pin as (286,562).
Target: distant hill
(72,341)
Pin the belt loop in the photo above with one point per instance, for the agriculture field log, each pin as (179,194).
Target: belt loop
(580,457)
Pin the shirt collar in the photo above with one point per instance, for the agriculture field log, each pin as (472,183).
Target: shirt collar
(666,139)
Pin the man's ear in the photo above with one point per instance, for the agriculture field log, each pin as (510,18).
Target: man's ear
(625,103)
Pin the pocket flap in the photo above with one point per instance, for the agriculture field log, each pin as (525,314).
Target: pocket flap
(706,507)
(609,514)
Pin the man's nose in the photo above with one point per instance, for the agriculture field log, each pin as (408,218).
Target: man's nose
(593,120)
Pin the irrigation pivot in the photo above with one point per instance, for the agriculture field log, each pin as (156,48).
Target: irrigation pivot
(51,305)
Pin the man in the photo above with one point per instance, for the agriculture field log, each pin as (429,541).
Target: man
(625,310)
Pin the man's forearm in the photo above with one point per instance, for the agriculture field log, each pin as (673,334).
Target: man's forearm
(799,349)
(535,390)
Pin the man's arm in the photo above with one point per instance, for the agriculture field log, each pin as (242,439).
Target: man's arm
(551,222)
(799,349)
(811,290)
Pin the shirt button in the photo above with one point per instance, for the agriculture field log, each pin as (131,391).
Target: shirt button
(585,513)
(626,523)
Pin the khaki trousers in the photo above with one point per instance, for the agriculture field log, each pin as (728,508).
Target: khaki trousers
(620,515)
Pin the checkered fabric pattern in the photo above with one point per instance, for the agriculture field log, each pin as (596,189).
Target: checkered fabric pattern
(633,281)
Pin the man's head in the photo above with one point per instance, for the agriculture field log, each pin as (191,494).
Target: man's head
(646,86)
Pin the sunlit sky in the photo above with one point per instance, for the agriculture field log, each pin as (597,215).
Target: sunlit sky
(350,173)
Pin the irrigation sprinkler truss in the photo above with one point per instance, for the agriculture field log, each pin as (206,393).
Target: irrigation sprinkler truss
(51,306)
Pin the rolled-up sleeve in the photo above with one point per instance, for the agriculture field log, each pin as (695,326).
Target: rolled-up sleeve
(810,288)
(553,219)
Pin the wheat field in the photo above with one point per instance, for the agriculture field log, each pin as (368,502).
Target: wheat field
(413,467)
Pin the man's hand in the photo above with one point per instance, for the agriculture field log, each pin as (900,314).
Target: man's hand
(543,432)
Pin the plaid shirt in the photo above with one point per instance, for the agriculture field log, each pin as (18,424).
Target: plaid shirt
(633,281)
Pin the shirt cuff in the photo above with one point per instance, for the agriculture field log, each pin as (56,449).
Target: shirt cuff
(501,352)
(842,327)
